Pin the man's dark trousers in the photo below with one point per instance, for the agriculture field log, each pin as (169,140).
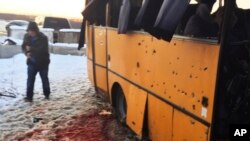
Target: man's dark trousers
(32,71)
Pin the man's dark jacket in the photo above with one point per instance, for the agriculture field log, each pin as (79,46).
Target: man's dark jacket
(39,49)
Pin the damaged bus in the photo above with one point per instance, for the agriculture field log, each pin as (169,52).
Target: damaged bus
(167,78)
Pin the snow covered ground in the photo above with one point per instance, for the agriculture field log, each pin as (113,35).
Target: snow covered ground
(72,113)
(2,39)
(13,74)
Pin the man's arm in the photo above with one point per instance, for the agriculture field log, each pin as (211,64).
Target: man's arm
(25,47)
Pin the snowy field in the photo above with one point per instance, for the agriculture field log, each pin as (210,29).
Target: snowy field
(74,112)
(13,74)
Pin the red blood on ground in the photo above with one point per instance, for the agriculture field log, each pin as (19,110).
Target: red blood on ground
(86,128)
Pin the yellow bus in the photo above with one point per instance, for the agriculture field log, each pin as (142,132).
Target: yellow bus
(163,85)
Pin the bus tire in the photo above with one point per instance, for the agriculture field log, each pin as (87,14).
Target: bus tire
(120,106)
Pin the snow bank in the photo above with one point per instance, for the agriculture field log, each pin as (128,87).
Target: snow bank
(17,41)
(69,30)
(69,35)
(65,45)
(18,32)
(2,25)
(47,30)
(2,39)
(14,27)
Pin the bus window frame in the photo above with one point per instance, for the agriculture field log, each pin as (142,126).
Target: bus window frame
(178,37)
(175,36)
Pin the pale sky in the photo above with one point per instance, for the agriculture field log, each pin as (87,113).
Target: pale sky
(63,8)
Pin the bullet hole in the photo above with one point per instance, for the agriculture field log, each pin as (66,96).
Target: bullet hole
(178,90)
(190,76)
(109,57)
(193,107)
(202,92)
(169,97)
(146,51)
(154,51)
(170,63)
(192,66)
(185,93)
(152,86)
(133,122)
(193,95)
(176,73)
(163,83)
(135,74)
(174,86)
(148,70)
(198,101)
(192,122)
(139,44)
(138,65)
(196,77)
(178,58)
(174,44)
(205,69)
(204,101)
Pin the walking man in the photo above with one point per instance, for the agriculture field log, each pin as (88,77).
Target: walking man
(35,47)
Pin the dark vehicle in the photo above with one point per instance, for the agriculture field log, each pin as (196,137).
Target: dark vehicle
(15,23)
(54,23)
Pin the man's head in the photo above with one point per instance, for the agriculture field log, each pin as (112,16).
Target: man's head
(32,29)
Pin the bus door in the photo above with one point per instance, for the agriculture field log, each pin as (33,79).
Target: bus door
(95,12)
(100,59)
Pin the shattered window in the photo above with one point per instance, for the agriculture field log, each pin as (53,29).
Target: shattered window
(116,8)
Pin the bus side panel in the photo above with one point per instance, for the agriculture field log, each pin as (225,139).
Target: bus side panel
(100,46)
(187,129)
(101,79)
(89,54)
(160,118)
(100,59)
(90,70)
(136,102)
(182,72)
(89,42)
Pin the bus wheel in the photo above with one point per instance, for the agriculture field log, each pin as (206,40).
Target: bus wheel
(121,106)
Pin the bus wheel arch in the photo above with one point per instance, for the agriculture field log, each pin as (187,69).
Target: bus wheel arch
(119,102)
